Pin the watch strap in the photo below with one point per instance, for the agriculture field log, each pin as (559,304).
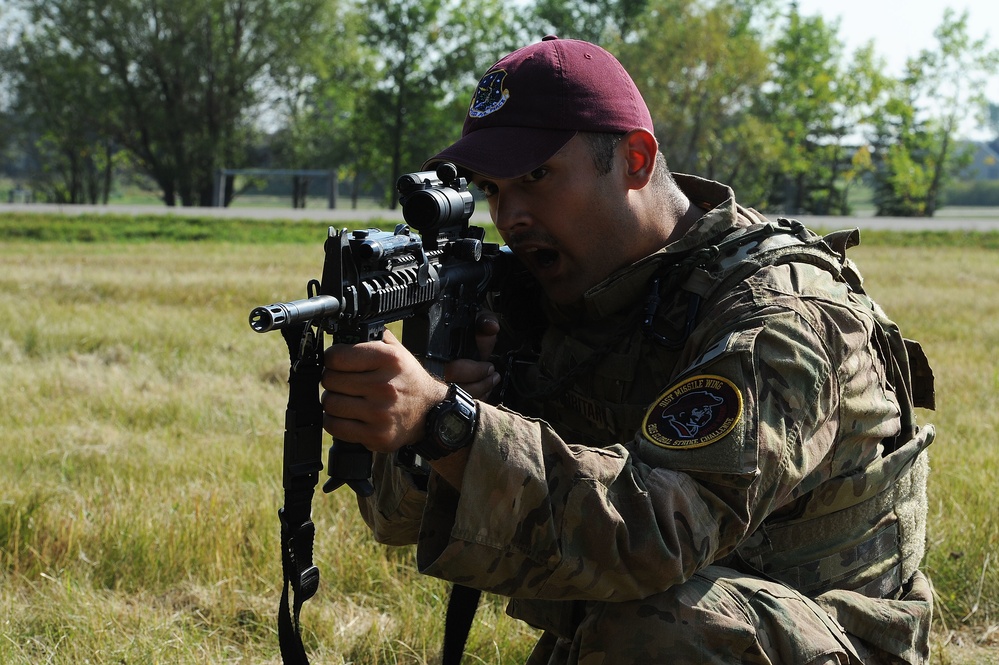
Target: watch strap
(459,402)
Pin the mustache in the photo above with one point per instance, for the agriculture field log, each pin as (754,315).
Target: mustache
(532,237)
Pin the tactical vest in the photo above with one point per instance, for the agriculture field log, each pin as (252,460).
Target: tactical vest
(864,532)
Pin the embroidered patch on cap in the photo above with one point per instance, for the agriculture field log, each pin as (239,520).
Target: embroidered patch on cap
(693,413)
(489,95)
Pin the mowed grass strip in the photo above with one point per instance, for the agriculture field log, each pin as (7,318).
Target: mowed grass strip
(140,430)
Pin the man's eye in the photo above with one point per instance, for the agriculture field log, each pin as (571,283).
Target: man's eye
(487,188)
(537,174)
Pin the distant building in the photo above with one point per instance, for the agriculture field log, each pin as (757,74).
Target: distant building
(986,161)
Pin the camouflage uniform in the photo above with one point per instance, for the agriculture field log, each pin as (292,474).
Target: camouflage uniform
(723,468)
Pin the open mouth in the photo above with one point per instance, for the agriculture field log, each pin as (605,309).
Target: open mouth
(543,258)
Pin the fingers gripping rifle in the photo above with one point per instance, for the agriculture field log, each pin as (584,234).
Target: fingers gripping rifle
(433,283)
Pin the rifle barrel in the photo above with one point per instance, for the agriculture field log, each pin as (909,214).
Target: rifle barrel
(281,314)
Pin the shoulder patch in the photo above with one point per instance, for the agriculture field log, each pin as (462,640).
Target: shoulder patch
(693,413)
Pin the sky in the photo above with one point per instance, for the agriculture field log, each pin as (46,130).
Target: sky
(901,28)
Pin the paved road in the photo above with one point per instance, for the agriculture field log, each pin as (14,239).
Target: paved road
(984,219)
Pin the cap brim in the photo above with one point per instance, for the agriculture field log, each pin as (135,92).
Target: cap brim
(503,152)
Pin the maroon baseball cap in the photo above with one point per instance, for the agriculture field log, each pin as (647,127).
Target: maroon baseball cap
(534,100)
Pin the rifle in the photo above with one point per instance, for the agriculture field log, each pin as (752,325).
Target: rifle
(434,284)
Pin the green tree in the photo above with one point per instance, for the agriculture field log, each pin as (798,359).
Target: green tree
(804,102)
(700,67)
(820,103)
(902,147)
(183,78)
(60,110)
(865,90)
(992,119)
(317,101)
(591,20)
(941,90)
(424,57)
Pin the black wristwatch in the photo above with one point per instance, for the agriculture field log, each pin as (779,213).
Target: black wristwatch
(450,425)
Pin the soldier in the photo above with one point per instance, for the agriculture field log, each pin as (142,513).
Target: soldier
(706,450)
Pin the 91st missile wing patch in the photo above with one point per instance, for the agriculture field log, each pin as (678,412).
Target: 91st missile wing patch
(490,95)
(693,413)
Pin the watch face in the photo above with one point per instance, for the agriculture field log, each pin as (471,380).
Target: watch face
(452,428)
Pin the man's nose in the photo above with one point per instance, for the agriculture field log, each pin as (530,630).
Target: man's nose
(510,212)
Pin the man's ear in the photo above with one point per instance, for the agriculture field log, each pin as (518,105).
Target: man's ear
(641,150)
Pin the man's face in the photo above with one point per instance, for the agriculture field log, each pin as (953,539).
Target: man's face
(564,221)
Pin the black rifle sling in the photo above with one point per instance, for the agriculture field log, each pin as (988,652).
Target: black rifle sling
(302,464)
(461,608)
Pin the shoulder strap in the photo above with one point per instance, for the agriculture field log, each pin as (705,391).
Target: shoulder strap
(741,253)
(717,268)
(747,250)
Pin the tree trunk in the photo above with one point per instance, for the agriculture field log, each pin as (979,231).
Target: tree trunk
(108,172)
(938,170)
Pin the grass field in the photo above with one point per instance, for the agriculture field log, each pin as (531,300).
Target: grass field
(140,440)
